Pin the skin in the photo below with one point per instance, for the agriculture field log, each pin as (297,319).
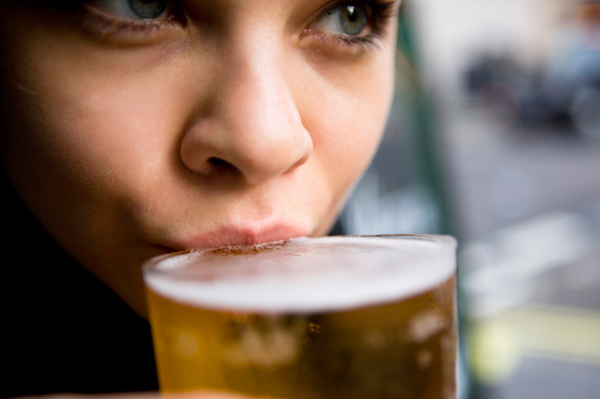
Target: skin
(130,146)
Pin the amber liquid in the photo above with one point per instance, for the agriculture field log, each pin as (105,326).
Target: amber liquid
(398,350)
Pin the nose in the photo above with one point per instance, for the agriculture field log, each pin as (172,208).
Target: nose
(251,125)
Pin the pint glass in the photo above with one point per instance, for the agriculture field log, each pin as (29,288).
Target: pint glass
(325,318)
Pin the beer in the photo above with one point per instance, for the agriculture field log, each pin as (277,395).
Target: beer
(336,317)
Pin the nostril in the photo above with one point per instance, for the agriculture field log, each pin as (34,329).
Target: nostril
(218,162)
(220,165)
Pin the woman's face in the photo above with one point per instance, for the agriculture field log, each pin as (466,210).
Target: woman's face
(133,128)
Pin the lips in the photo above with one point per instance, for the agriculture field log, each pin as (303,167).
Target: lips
(230,236)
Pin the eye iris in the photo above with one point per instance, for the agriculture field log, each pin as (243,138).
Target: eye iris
(148,9)
(353,20)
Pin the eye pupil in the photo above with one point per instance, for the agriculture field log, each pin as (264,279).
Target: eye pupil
(351,14)
(148,9)
(353,20)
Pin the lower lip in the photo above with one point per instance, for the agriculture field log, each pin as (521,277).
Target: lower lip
(227,236)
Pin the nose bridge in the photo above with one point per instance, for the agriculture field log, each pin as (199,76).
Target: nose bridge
(256,93)
(254,124)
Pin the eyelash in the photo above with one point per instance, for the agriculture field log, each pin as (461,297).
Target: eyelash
(380,12)
(106,24)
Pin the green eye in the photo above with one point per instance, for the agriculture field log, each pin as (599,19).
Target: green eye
(148,9)
(352,20)
(349,20)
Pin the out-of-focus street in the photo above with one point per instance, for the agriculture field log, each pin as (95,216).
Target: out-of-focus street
(500,177)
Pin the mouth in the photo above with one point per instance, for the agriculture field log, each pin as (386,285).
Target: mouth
(225,236)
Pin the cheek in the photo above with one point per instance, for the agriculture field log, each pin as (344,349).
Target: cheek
(350,108)
(90,148)
(100,125)
(117,134)
(93,138)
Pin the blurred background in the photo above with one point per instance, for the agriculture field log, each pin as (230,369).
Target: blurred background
(495,138)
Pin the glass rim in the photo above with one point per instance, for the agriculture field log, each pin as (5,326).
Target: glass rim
(356,278)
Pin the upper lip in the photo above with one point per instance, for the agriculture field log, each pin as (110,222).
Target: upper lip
(224,235)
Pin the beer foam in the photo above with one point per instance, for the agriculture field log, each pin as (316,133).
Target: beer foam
(305,275)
